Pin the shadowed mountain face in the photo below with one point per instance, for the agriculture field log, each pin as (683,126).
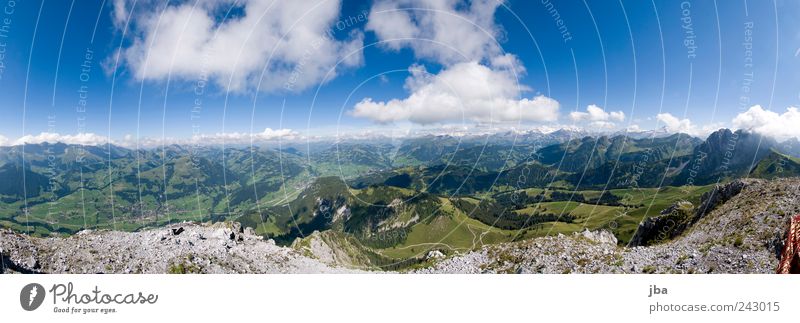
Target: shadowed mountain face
(16,183)
(724,155)
(589,152)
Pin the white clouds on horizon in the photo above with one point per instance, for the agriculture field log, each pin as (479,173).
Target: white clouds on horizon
(228,138)
(633,128)
(189,41)
(597,117)
(91,139)
(86,138)
(241,137)
(675,125)
(779,126)
(469,92)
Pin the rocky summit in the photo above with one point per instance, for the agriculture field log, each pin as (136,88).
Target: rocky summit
(179,248)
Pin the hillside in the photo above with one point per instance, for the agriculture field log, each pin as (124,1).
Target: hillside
(776,165)
(73,187)
(742,235)
(387,227)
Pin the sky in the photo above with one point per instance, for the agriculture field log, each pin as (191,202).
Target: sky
(233,71)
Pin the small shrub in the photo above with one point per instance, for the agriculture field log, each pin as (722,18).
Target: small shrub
(738,241)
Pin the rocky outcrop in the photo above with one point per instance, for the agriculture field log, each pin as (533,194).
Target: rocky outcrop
(178,248)
(335,249)
(601,236)
(670,223)
(742,231)
(589,252)
(720,194)
(674,220)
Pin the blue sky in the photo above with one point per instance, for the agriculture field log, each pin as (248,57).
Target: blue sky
(625,56)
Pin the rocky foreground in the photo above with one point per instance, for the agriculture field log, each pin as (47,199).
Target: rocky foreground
(738,229)
(179,248)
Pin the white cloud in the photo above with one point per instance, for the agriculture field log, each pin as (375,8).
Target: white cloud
(508,62)
(190,41)
(228,138)
(478,81)
(673,124)
(131,142)
(242,138)
(447,32)
(780,126)
(89,139)
(463,92)
(633,128)
(598,117)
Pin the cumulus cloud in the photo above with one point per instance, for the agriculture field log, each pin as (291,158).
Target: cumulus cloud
(242,137)
(228,138)
(674,124)
(780,126)
(89,139)
(291,41)
(477,82)
(466,91)
(633,128)
(447,32)
(598,117)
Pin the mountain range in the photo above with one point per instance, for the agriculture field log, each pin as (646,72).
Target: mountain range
(392,201)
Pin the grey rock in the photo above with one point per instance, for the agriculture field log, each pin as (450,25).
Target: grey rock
(228,249)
